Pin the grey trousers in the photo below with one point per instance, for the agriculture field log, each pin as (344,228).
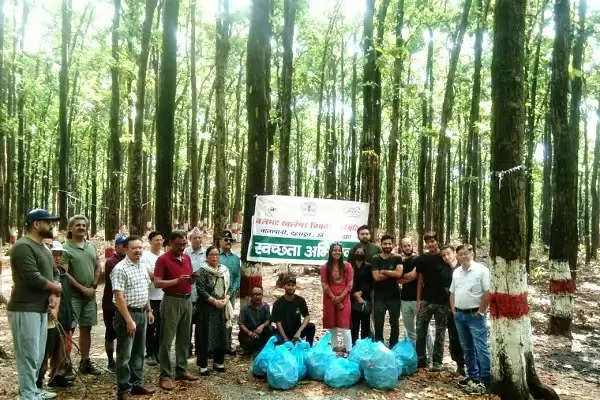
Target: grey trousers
(29,331)
(409,318)
(130,351)
(176,313)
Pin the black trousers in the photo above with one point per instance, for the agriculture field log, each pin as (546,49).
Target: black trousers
(153,331)
(361,322)
(51,343)
(454,342)
(255,345)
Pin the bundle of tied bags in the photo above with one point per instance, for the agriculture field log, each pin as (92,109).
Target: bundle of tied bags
(288,363)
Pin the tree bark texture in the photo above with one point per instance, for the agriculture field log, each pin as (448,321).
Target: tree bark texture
(166,119)
(220,201)
(595,218)
(194,168)
(63,78)
(563,234)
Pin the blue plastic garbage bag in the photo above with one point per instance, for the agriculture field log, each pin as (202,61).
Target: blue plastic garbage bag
(342,373)
(406,357)
(261,361)
(300,351)
(282,371)
(380,368)
(360,351)
(319,357)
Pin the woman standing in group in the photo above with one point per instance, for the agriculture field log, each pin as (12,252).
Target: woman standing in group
(211,311)
(336,280)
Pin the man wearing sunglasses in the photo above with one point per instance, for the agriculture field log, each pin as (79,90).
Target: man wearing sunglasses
(232,262)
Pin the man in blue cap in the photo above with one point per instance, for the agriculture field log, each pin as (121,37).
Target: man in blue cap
(108,308)
(35,291)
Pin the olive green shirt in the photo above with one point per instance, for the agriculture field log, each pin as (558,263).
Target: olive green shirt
(371,249)
(80,262)
(32,267)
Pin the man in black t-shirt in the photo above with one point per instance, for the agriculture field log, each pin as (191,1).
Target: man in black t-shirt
(287,313)
(433,281)
(386,269)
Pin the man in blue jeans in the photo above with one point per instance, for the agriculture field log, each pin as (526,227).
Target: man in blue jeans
(469,300)
(35,292)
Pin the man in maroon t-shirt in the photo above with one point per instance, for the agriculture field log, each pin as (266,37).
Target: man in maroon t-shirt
(173,273)
(108,309)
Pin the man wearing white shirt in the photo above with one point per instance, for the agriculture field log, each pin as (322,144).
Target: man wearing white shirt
(469,300)
(148,261)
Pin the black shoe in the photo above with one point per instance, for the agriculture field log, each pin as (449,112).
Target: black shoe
(218,369)
(204,373)
(59,381)
(86,367)
(112,366)
(460,370)
(230,352)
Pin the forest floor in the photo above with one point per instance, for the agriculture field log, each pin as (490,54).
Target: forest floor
(571,366)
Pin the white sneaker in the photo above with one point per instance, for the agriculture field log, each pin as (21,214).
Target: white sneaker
(45,395)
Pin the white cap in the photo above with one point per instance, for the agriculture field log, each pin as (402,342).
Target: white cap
(57,246)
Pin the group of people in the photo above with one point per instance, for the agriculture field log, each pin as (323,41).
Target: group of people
(154,297)
(151,298)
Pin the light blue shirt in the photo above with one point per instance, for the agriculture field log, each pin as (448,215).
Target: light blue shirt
(198,257)
(232,262)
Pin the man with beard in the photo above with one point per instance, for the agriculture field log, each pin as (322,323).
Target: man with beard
(287,311)
(386,269)
(364,238)
(108,308)
(83,265)
(433,280)
(35,291)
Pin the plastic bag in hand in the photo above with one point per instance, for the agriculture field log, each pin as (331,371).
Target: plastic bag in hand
(406,357)
(261,361)
(319,357)
(300,351)
(282,371)
(380,368)
(342,373)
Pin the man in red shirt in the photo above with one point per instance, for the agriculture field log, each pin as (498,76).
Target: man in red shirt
(173,274)
(108,308)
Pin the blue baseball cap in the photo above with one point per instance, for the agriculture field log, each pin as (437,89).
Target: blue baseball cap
(39,214)
(120,239)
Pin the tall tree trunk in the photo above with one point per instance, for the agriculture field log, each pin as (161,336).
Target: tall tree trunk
(423,149)
(193,165)
(208,161)
(4,205)
(94,183)
(134,176)
(111,226)
(166,119)
(513,370)
(237,198)
(586,195)
(257,112)
(395,134)
(371,151)
(299,165)
(63,78)
(330,147)
(21,125)
(531,119)
(220,201)
(352,128)
(439,192)
(546,198)
(563,234)
(289,16)
(595,221)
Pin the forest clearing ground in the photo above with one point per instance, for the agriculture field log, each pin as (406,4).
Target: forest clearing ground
(572,367)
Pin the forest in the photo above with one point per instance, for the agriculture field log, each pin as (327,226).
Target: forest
(478,119)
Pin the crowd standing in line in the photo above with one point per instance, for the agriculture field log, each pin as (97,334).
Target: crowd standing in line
(152,298)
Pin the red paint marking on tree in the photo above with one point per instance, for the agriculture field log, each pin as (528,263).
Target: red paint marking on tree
(509,306)
(562,286)
(249,282)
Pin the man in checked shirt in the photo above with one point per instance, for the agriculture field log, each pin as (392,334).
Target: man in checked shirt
(130,282)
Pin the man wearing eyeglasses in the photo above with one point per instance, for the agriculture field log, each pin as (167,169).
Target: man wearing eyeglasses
(232,262)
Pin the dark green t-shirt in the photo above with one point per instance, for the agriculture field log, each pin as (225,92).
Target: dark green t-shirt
(80,262)
(32,267)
